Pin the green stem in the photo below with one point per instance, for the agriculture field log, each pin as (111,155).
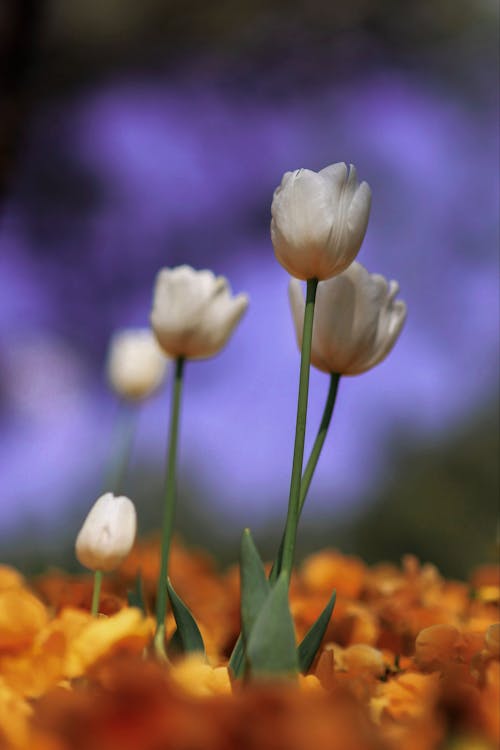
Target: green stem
(300,432)
(122,443)
(237,657)
(169,511)
(320,438)
(94,609)
(311,463)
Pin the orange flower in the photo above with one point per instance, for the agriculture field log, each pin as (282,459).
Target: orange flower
(126,631)
(14,718)
(330,570)
(22,615)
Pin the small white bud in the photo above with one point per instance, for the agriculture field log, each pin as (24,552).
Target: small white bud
(108,533)
(136,365)
(194,313)
(319,220)
(356,320)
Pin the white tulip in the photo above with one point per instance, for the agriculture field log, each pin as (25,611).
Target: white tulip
(319,220)
(108,533)
(136,365)
(194,312)
(356,323)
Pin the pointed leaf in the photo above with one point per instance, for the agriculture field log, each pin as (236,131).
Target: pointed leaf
(312,639)
(189,633)
(175,646)
(254,591)
(271,649)
(135,597)
(254,584)
(237,659)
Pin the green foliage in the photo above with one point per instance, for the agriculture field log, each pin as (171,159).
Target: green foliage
(254,591)
(135,596)
(308,649)
(254,584)
(271,651)
(175,645)
(187,637)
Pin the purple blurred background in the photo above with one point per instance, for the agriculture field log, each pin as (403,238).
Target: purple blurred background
(128,154)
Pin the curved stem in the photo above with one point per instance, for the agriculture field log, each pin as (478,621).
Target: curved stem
(300,432)
(169,511)
(94,610)
(320,438)
(312,462)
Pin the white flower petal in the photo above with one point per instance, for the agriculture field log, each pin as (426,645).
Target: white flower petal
(193,312)
(312,226)
(136,365)
(108,533)
(356,321)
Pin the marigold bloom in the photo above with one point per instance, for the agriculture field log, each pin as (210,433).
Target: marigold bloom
(127,630)
(319,220)
(22,615)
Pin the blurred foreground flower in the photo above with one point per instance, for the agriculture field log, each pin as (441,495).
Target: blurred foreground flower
(357,320)
(319,220)
(193,312)
(409,660)
(136,366)
(108,533)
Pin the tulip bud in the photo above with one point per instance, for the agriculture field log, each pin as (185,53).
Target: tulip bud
(108,533)
(136,365)
(357,320)
(193,312)
(319,220)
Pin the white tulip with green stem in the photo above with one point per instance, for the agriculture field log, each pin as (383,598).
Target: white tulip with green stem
(193,316)
(135,369)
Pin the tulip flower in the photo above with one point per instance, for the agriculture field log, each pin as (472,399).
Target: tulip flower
(319,220)
(108,533)
(194,312)
(193,317)
(136,365)
(357,320)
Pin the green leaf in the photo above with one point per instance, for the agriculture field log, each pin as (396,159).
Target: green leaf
(135,597)
(189,634)
(254,584)
(271,650)
(175,646)
(254,591)
(312,639)
(237,658)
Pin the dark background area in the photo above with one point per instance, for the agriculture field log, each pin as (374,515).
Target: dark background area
(137,135)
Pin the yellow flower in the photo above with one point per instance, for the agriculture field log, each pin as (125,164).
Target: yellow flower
(127,630)
(22,615)
(15,713)
(193,675)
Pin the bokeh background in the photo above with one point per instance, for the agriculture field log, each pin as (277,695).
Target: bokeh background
(137,135)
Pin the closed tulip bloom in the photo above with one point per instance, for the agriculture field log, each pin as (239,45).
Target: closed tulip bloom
(357,320)
(319,220)
(194,312)
(136,365)
(108,533)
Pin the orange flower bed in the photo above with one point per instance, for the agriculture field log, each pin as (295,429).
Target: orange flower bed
(409,660)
